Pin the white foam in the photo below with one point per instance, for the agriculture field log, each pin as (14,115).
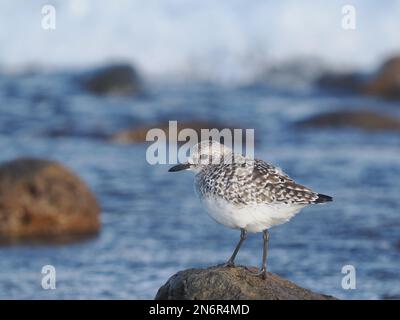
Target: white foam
(225,41)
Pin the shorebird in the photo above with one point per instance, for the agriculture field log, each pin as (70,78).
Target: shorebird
(246,194)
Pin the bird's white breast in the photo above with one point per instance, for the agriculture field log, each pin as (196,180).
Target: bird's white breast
(253,218)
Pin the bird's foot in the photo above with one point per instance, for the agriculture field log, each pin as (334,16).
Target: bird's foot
(262,273)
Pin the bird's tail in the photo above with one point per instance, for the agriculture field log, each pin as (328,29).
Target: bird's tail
(322,198)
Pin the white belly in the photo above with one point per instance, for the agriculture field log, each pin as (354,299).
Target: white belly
(253,218)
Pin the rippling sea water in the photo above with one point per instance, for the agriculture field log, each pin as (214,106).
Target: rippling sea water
(153,225)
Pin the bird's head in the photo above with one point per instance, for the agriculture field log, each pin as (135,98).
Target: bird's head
(205,153)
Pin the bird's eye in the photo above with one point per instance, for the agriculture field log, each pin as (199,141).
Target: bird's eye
(203,156)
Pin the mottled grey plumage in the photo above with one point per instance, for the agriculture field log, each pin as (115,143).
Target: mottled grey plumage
(252,182)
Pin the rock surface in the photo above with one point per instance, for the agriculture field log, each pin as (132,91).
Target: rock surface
(120,79)
(41,200)
(344,82)
(232,284)
(138,134)
(362,119)
(386,82)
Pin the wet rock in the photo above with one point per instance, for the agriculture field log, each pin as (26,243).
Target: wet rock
(390,297)
(397,245)
(362,119)
(232,284)
(386,83)
(120,79)
(42,201)
(292,73)
(74,131)
(349,82)
(139,134)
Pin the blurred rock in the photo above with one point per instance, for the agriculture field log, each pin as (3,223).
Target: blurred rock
(386,82)
(290,73)
(221,283)
(350,82)
(120,79)
(139,134)
(61,131)
(363,119)
(42,201)
(390,297)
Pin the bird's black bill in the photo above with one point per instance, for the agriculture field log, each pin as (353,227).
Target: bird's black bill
(179,167)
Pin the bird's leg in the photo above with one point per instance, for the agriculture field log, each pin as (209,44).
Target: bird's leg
(231,261)
(263,271)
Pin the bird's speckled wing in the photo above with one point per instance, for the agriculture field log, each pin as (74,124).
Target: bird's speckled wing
(252,182)
(273,185)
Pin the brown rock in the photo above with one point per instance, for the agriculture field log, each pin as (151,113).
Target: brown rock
(41,200)
(139,134)
(232,284)
(363,119)
(387,81)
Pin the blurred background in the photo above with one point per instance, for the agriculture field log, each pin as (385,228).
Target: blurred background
(323,100)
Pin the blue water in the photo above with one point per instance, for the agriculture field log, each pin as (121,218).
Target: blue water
(152,223)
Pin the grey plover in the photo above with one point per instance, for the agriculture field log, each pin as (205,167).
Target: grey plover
(246,194)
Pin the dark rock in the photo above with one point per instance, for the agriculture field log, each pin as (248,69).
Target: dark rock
(139,134)
(350,82)
(73,130)
(390,297)
(119,79)
(221,283)
(362,119)
(386,82)
(291,72)
(42,201)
